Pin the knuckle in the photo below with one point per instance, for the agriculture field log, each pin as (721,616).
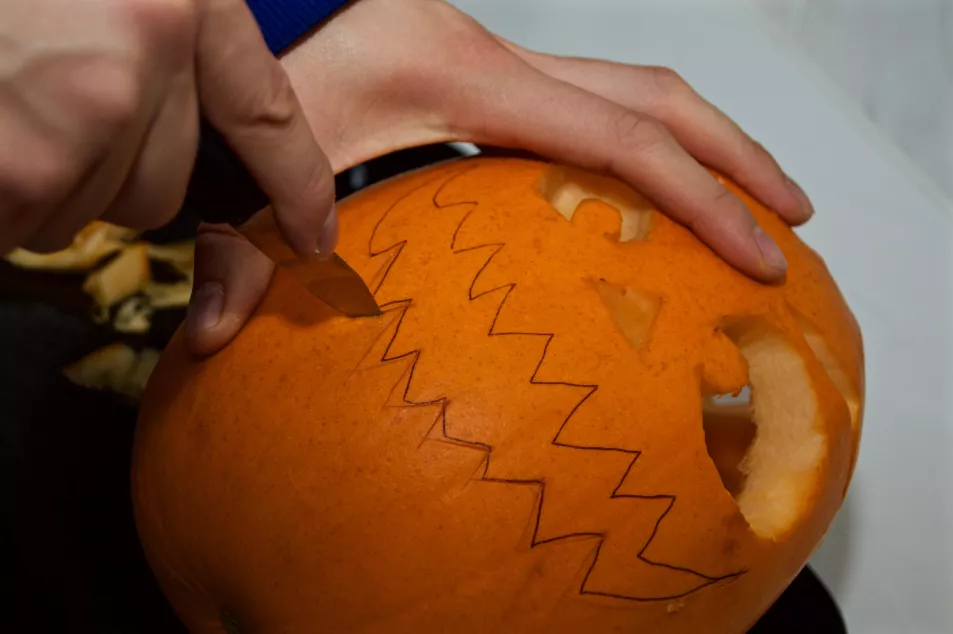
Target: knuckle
(42,180)
(718,210)
(637,132)
(273,105)
(113,96)
(754,157)
(669,83)
(626,126)
(725,209)
(183,11)
(761,153)
(722,197)
(162,20)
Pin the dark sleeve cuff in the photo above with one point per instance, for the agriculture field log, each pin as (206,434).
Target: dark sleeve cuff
(284,21)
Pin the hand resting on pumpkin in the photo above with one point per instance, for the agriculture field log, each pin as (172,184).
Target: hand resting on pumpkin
(382,75)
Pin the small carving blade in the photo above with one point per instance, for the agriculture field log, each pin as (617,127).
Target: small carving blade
(221,190)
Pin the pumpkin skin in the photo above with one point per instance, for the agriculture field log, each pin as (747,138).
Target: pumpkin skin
(501,450)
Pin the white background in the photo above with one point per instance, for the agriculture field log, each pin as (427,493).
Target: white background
(886,230)
(894,58)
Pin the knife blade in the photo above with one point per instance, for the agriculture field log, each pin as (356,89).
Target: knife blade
(221,190)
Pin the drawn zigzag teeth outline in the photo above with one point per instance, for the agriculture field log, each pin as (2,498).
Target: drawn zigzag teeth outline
(704,581)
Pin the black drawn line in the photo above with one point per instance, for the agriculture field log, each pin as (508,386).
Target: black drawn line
(440,420)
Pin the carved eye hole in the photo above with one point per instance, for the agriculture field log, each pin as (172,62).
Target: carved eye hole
(767,448)
(567,188)
(632,311)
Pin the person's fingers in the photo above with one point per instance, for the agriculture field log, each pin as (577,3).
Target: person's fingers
(98,107)
(707,133)
(102,177)
(524,109)
(231,276)
(248,97)
(35,172)
(156,184)
(61,130)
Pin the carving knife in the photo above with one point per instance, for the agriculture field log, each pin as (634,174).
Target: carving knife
(222,191)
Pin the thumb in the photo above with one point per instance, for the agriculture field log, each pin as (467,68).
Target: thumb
(231,276)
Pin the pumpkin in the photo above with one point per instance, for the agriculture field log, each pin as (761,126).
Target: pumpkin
(536,435)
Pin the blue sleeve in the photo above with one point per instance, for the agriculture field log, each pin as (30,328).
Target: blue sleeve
(282,22)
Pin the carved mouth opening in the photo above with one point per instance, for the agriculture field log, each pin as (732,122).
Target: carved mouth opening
(765,442)
(730,429)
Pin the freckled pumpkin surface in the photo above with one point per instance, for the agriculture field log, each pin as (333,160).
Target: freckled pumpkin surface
(525,441)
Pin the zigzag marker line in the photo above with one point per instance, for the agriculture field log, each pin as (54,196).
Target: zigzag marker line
(540,485)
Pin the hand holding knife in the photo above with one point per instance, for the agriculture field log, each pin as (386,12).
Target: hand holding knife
(222,191)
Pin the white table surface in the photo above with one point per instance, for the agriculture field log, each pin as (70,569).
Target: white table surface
(886,234)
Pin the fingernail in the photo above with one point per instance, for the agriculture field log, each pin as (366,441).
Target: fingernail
(205,308)
(328,239)
(798,193)
(770,252)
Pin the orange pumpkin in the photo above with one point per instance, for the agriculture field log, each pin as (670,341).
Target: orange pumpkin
(527,440)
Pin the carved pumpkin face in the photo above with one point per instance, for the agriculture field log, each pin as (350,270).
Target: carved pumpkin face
(526,440)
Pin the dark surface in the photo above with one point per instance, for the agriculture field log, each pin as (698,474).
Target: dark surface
(221,189)
(77,563)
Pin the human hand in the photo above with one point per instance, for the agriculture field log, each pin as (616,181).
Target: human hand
(99,104)
(383,75)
